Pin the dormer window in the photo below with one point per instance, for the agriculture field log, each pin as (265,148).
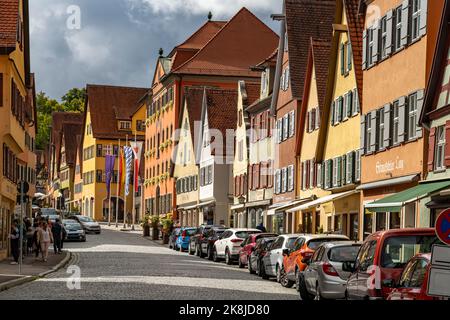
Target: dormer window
(125,125)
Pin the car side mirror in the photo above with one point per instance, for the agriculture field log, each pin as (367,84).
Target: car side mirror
(285,252)
(306,261)
(348,266)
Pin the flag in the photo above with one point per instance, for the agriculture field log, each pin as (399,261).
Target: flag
(109,169)
(136,146)
(128,163)
(120,177)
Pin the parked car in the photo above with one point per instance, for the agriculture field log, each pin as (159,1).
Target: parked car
(248,245)
(182,241)
(229,244)
(272,263)
(386,253)
(413,280)
(324,278)
(89,224)
(74,231)
(303,248)
(173,237)
(200,233)
(207,242)
(261,248)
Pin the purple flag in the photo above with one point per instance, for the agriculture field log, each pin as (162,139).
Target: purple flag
(109,168)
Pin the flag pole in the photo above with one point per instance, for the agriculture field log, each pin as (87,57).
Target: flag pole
(125,191)
(118,183)
(109,193)
(134,187)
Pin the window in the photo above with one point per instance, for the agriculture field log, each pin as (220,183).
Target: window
(99,150)
(415,28)
(290,178)
(369,132)
(398,29)
(371,45)
(335,172)
(284,180)
(285,127)
(124,125)
(439,163)
(384,32)
(358,166)
(319,175)
(380,128)
(291,123)
(140,125)
(304,173)
(395,122)
(412,116)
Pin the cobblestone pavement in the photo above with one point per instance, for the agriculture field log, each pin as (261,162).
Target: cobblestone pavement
(123,265)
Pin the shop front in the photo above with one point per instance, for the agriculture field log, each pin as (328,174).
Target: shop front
(281,218)
(7,206)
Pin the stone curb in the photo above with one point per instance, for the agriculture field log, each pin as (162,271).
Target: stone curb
(17,282)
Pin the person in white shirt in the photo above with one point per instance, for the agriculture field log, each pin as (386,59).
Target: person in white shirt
(45,237)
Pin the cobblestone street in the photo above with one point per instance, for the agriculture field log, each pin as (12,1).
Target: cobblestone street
(119,265)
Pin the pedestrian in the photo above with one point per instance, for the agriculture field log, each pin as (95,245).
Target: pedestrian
(45,237)
(261,227)
(14,237)
(36,244)
(57,231)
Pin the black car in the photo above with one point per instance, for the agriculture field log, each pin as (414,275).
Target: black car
(200,233)
(259,251)
(207,242)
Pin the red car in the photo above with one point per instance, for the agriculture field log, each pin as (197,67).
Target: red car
(414,280)
(248,246)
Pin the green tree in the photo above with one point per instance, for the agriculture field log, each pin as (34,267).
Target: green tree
(74,100)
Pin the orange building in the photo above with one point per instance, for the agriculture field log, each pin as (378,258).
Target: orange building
(217,55)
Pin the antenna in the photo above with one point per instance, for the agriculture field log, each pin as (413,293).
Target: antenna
(209,16)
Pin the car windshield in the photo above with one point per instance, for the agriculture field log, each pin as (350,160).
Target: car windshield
(73,226)
(53,217)
(397,250)
(190,232)
(313,244)
(48,211)
(245,234)
(290,242)
(343,254)
(85,219)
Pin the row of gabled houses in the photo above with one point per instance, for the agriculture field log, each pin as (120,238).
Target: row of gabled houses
(338,125)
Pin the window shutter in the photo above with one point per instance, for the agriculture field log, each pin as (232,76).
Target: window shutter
(252,126)
(308,116)
(280,129)
(350,103)
(250,176)
(319,175)
(317,124)
(431,148)
(350,167)
(423,17)
(356,107)
(333,112)
(339,171)
(363,134)
(291,178)
(401,119)
(387,126)
(364,50)
(1,89)
(344,106)
(342,49)
(349,56)
(285,179)
(341,109)
(307,173)
(376,47)
(447,144)
(420,96)
(357,161)
(287,78)
(238,185)
(285,126)
(291,123)
(343,170)
(373,136)
(389,29)
(405,23)
(302,171)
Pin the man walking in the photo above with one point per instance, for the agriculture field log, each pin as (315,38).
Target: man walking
(15,239)
(57,231)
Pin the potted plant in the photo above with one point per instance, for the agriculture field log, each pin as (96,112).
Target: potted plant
(146,225)
(154,221)
(167,223)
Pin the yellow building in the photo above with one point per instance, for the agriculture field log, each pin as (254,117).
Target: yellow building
(110,114)
(17,111)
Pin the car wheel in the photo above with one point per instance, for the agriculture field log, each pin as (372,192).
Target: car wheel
(278,274)
(197,250)
(209,253)
(249,266)
(240,264)
(304,294)
(215,257)
(284,281)
(262,269)
(297,279)
(191,252)
(228,260)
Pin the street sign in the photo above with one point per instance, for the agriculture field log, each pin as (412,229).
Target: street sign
(23,186)
(439,274)
(443,226)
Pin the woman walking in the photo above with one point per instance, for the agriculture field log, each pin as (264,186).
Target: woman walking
(45,237)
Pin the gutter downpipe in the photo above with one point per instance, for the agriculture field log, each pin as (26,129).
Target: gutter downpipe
(276,88)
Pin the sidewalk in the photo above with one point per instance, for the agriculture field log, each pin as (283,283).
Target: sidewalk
(31,269)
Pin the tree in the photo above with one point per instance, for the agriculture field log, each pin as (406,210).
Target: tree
(74,100)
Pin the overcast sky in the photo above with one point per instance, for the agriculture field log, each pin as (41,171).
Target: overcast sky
(118,40)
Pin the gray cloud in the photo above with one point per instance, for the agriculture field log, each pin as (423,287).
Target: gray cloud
(118,40)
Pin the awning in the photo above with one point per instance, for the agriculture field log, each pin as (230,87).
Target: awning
(202,204)
(395,202)
(286,205)
(257,203)
(325,199)
(389,182)
(237,206)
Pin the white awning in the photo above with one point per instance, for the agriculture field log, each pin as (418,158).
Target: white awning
(237,206)
(389,182)
(315,203)
(257,203)
(274,209)
(202,204)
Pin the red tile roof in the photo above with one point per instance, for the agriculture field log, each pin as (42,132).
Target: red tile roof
(199,38)
(242,42)
(272,59)
(109,104)
(194,99)
(71,132)
(355,24)
(321,56)
(9,13)
(306,19)
(253,91)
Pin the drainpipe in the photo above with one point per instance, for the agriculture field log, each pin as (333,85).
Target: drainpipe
(276,88)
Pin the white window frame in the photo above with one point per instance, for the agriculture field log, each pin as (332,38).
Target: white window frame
(369,132)
(311,174)
(383,38)
(370,46)
(319,175)
(395,122)
(381,129)
(415,19)
(398,29)
(412,116)
(439,151)
(335,171)
(304,176)
(290,178)
(291,123)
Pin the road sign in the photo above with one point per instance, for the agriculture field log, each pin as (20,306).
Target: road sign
(23,186)
(439,274)
(443,226)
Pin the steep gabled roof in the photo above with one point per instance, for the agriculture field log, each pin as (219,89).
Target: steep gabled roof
(194,98)
(437,68)
(71,132)
(107,105)
(355,24)
(243,41)
(199,38)
(9,14)
(306,19)
(253,92)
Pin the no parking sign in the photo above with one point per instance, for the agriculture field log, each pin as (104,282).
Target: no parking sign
(443,226)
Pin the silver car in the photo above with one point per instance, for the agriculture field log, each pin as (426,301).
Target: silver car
(324,278)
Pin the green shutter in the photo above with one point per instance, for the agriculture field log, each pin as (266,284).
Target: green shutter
(344,170)
(339,172)
(333,107)
(342,59)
